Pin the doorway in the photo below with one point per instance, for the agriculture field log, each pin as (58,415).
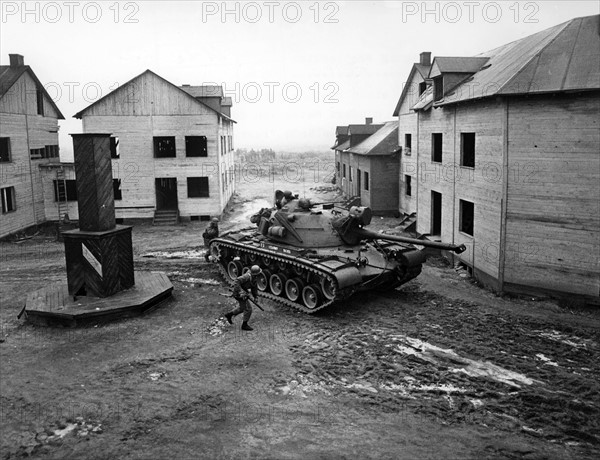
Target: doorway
(358,181)
(166,193)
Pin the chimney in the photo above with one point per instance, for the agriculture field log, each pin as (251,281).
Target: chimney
(16,60)
(425,58)
(368,120)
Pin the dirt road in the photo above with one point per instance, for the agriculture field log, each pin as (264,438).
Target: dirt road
(437,369)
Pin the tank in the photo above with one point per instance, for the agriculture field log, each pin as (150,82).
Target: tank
(313,255)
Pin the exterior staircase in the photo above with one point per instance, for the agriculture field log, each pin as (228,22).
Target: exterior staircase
(166,217)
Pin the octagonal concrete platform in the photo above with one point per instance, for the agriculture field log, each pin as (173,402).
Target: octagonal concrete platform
(52,305)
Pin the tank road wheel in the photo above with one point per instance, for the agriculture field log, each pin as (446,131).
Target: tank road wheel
(277,283)
(262,283)
(293,288)
(328,288)
(298,270)
(215,252)
(234,269)
(311,295)
(267,262)
(281,265)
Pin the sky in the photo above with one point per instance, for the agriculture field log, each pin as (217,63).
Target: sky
(295,70)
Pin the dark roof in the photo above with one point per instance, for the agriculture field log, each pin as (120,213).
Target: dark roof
(423,71)
(442,64)
(203,90)
(341,130)
(363,129)
(343,146)
(227,102)
(9,76)
(382,142)
(81,112)
(561,58)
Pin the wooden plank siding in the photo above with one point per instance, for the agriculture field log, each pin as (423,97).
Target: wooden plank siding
(150,107)
(553,212)
(481,185)
(27,130)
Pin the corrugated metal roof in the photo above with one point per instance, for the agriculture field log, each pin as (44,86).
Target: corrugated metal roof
(561,58)
(203,90)
(363,129)
(9,76)
(382,142)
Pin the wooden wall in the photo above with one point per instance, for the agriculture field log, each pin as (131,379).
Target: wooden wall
(481,185)
(553,212)
(27,130)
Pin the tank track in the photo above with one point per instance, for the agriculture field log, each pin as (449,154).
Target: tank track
(245,250)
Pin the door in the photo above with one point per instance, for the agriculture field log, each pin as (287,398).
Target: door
(166,193)
(358,181)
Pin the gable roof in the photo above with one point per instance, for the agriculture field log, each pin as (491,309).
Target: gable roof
(341,130)
(203,90)
(227,102)
(423,71)
(382,142)
(9,76)
(81,112)
(561,58)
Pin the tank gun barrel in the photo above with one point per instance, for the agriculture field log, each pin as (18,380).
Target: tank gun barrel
(368,234)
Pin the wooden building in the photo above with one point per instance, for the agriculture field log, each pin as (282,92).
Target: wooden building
(506,152)
(28,139)
(367,164)
(174,158)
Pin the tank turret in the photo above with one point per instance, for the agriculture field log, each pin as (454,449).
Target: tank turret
(315,254)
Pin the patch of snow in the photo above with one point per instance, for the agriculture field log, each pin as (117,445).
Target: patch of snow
(557,336)
(546,360)
(201,281)
(192,254)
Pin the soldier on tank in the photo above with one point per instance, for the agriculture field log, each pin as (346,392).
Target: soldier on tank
(211,232)
(245,286)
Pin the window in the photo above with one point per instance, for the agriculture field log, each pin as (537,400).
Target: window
(195,146)
(422,87)
(9,203)
(408,185)
(4,149)
(407,143)
(350,173)
(40,101)
(50,151)
(65,190)
(114,148)
(36,154)
(117,189)
(164,147)
(436,147)
(366,180)
(197,187)
(438,88)
(343,171)
(467,210)
(467,150)
(436,213)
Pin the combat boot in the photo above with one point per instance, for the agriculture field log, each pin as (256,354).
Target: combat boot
(228,317)
(245,326)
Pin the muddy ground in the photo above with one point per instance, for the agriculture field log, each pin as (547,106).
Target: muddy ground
(439,368)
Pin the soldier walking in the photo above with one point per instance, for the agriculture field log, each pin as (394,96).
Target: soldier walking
(245,286)
(211,232)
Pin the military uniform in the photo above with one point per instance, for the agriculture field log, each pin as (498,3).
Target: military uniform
(211,232)
(243,284)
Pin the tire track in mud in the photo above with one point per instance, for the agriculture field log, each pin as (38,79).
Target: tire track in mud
(394,355)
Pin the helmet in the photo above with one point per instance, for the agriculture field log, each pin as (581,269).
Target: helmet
(214,220)
(255,270)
